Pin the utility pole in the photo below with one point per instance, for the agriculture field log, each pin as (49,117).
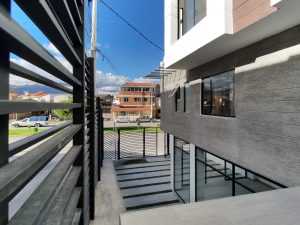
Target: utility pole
(94,30)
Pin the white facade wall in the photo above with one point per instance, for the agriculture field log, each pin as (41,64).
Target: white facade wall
(218,22)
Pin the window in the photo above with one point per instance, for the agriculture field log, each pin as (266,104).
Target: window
(125,99)
(188,99)
(177,99)
(145,99)
(137,99)
(218,95)
(190,12)
(182,169)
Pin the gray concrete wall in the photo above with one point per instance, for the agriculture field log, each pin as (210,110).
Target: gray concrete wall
(265,134)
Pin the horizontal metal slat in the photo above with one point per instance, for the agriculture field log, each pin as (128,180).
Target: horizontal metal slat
(76,219)
(7,107)
(36,208)
(44,18)
(75,11)
(18,41)
(22,144)
(71,209)
(21,71)
(63,11)
(56,213)
(19,172)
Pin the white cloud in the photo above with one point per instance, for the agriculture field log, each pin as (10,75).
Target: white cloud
(108,83)
(142,79)
(56,53)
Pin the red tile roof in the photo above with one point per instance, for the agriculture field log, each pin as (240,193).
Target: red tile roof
(139,84)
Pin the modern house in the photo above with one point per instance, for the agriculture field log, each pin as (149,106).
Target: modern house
(137,100)
(232,107)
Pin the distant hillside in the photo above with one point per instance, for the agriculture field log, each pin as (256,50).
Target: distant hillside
(34,88)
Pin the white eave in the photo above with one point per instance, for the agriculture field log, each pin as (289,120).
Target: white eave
(287,16)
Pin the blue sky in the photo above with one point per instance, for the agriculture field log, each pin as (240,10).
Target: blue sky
(131,57)
(130,54)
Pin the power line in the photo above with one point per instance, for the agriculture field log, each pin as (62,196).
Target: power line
(114,68)
(132,26)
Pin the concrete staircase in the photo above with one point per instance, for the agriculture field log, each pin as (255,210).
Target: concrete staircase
(145,183)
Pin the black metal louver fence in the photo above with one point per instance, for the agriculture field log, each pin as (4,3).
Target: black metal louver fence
(66,195)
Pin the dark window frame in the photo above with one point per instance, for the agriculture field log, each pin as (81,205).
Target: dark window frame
(233,111)
(177,99)
(181,29)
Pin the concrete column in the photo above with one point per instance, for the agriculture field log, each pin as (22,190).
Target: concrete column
(172,161)
(192,173)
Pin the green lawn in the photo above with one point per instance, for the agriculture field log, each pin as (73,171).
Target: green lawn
(24,131)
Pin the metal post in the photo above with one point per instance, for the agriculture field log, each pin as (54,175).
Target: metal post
(205,166)
(79,96)
(225,169)
(168,144)
(233,180)
(93,146)
(144,142)
(156,141)
(4,119)
(94,29)
(100,138)
(119,144)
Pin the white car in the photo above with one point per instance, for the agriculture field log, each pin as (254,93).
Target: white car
(123,120)
(34,121)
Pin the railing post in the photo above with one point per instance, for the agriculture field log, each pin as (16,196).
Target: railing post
(233,180)
(100,134)
(4,119)
(119,145)
(168,144)
(92,137)
(156,141)
(144,142)
(205,167)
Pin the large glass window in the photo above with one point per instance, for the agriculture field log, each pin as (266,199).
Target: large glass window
(190,12)
(218,95)
(188,99)
(182,169)
(218,178)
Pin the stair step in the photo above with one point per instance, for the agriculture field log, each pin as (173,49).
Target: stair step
(137,176)
(146,190)
(142,170)
(143,165)
(151,200)
(144,182)
(157,159)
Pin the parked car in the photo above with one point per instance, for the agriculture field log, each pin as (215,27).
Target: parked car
(123,120)
(144,120)
(33,121)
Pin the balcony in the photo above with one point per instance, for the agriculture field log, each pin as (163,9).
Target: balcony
(216,36)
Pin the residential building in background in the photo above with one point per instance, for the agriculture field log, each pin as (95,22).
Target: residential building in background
(234,100)
(137,100)
(36,96)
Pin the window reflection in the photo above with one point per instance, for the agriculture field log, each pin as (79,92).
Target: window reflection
(190,12)
(218,95)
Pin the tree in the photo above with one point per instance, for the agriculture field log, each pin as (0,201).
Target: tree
(64,114)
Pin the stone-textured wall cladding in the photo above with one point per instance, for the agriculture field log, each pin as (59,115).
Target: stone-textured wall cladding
(247,12)
(265,134)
